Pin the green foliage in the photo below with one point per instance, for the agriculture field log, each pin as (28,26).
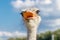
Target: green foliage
(57,34)
(43,36)
(17,39)
(11,39)
(20,38)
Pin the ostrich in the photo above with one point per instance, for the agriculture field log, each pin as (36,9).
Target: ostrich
(31,19)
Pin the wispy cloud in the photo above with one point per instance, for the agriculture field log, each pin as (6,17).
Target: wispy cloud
(54,24)
(47,9)
(57,22)
(22,4)
(58,4)
(51,25)
(46,2)
(12,34)
(29,3)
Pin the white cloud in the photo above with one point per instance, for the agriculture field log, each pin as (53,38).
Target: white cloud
(52,25)
(28,3)
(54,22)
(58,4)
(20,4)
(12,34)
(47,2)
(47,9)
(1,34)
(17,33)
(57,22)
(7,34)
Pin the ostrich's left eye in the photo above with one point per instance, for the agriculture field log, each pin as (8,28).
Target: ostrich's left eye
(22,13)
(37,11)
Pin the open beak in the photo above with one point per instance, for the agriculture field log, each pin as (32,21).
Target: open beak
(27,15)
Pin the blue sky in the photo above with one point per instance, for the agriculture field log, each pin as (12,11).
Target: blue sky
(11,22)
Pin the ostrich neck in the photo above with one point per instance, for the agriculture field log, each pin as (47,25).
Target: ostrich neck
(31,33)
(32,26)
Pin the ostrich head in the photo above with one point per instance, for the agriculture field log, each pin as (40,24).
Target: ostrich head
(31,17)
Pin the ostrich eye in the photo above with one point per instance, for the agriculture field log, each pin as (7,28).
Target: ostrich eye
(22,13)
(37,11)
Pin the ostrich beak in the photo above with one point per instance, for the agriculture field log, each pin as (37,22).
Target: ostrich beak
(28,14)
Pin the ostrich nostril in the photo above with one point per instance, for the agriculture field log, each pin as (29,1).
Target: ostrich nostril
(37,11)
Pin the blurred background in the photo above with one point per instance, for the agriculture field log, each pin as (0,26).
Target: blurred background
(12,26)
